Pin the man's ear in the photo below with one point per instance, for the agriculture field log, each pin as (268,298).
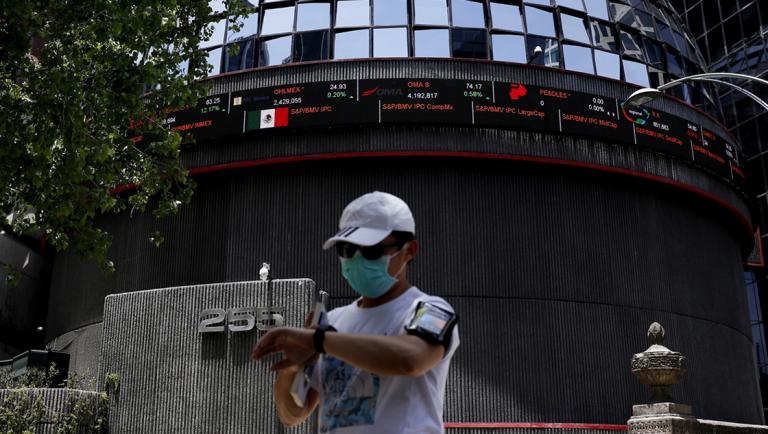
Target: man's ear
(412,250)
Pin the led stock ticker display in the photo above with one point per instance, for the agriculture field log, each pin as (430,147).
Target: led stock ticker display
(455,102)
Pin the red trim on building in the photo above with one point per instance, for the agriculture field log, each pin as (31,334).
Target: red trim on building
(539,425)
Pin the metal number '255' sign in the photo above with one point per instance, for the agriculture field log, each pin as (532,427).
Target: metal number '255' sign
(240,319)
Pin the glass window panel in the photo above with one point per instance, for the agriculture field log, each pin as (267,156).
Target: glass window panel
(217,35)
(506,17)
(352,45)
(674,65)
(622,13)
(249,27)
(313,16)
(278,20)
(597,8)
(275,51)
(244,57)
(604,36)
(607,64)
(550,51)
(468,13)
(469,43)
(631,45)
(578,58)
(636,73)
(574,28)
(644,23)
(539,2)
(310,46)
(214,61)
(573,4)
(539,22)
(666,33)
(654,53)
(390,42)
(430,12)
(389,12)
(431,43)
(509,48)
(353,13)
(655,76)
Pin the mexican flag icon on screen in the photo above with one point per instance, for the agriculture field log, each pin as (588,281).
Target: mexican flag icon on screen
(270,118)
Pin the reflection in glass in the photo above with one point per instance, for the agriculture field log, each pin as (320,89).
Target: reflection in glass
(353,13)
(607,64)
(275,51)
(430,12)
(631,45)
(389,12)
(310,46)
(654,53)
(655,77)
(574,28)
(468,13)
(351,45)
(244,57)
(278,20)
(249,28)
(217,37)
(469,43)
(644,23)
(578,58)
(622,13)
(597,8)
(602,34)
(550,55)
(674,66)
(573,4)
(313,16)
(636,73)
(506,17)
(214,61)
(431,43)
(539,22)
(509,48)
(391,42)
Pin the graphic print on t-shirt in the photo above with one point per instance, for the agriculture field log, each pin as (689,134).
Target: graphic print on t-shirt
(349,395)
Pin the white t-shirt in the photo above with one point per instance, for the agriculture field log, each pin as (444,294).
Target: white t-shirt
(354,401)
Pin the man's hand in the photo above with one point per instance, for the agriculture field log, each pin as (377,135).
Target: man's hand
(295,344)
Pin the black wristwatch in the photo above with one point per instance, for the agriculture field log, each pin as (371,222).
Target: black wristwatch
(318,339)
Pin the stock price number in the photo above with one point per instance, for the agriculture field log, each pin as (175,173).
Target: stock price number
(422,95)
(288,101)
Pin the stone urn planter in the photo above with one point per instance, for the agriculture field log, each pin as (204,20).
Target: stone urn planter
(658,366)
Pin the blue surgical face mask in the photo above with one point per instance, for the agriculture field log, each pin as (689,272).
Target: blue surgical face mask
(370,277)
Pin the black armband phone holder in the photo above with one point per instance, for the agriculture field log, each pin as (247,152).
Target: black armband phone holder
(432,323)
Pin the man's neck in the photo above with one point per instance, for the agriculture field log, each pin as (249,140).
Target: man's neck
(400,287)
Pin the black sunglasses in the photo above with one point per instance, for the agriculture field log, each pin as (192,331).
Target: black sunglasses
(348,250)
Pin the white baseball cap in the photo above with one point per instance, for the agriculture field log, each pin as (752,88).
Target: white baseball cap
(372,217)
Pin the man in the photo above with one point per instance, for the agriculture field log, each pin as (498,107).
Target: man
(385,359)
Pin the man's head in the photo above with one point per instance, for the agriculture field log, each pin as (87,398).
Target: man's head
(370,218)
(375,243)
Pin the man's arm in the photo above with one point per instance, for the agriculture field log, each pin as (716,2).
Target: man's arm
(289,413)
(384,355)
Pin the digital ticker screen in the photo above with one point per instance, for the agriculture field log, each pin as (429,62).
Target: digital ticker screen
(454,102)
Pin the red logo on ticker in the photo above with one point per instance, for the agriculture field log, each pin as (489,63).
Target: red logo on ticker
(517,91)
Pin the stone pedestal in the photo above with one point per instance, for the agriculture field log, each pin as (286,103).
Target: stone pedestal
(662,418)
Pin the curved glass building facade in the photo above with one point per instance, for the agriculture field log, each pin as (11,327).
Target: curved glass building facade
(639,41)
